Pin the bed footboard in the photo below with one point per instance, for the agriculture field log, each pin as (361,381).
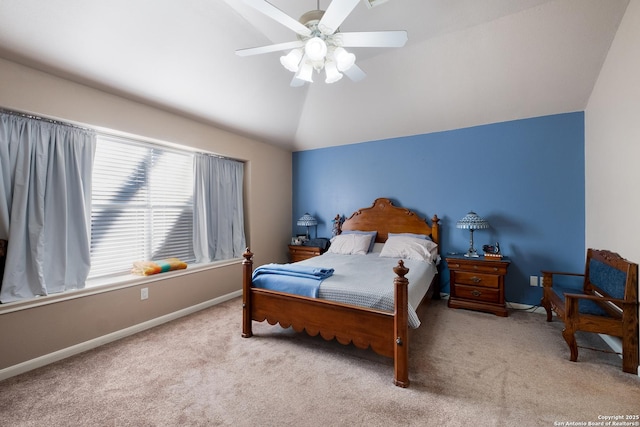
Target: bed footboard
(386,333)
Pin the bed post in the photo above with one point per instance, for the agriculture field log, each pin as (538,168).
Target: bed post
(401,327)
(247,270)
(435,236)
(435,230)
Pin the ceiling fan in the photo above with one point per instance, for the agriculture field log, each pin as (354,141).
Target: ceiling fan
(320,44)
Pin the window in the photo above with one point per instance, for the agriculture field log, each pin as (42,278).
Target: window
(142,207)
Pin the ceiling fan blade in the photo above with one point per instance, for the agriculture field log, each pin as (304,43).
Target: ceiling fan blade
(355,73)
(279,16)
(336,13)
(296,82)
(372,39)
(269,48)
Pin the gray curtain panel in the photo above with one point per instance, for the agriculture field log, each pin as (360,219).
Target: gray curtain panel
(45,205)
(218,219)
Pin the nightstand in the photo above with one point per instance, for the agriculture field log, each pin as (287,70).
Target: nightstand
(300,252)
(477,283)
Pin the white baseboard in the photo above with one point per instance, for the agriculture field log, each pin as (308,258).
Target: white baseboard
(38,362)
(530,308)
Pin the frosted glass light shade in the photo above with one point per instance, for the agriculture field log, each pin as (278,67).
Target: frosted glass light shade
(291,61)
(316,49)
(344,59)
(331,70)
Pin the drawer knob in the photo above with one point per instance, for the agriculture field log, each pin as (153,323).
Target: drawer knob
(476,279)
(476,293)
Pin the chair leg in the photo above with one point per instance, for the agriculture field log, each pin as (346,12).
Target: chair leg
(544,302)
(570,337)
(629,351)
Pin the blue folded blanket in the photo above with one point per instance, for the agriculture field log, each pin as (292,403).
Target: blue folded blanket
(291,278)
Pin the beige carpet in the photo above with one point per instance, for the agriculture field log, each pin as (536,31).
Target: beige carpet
(468,369)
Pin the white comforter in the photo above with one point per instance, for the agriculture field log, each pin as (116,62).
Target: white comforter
(367,281)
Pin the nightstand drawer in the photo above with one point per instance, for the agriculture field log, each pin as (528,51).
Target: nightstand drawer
(477,284)
(485,267)
(300,253)
(476,279)
(478,293)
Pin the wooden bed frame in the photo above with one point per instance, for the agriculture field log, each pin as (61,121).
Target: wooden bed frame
(385,332)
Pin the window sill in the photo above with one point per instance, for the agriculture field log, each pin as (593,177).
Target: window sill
(108,284)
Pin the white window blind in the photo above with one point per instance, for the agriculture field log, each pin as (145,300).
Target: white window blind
(142,206)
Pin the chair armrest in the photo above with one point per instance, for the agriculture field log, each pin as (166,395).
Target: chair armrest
(599,298)
(547,277)
(561,273)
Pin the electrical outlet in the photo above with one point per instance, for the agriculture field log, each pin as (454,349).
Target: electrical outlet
(533,281)
(144,293)
(541,280)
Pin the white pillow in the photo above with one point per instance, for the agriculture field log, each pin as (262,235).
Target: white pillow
(350,244)
(410,248)
(419,236)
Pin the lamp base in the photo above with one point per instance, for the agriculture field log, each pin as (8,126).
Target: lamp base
(472,254)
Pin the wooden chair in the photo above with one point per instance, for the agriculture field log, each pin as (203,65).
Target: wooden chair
(606,304)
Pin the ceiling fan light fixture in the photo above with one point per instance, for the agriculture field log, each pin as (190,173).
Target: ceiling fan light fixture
(291,61)
(344,60)
(305,72)
(331,70)
(316,49)
(320,43)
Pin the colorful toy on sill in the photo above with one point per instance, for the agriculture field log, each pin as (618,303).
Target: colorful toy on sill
(148,268)
(492,251)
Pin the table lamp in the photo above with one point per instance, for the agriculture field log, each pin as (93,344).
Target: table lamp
(307,220)
(472,221)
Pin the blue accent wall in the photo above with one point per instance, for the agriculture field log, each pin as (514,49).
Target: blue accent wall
(526,177)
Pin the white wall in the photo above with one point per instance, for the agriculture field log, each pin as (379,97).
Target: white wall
(612,145)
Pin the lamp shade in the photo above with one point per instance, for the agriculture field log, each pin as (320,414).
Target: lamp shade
(307,220)
(472,221)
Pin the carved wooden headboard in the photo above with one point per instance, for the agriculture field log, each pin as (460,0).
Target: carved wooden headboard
(385,218)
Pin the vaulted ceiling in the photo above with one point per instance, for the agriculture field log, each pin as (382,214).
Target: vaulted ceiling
(467,62)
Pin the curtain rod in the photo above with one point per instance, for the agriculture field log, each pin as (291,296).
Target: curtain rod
(220,156)
(105,133)
(44,119)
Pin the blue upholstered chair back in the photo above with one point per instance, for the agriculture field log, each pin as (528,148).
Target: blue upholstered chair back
(611,280)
